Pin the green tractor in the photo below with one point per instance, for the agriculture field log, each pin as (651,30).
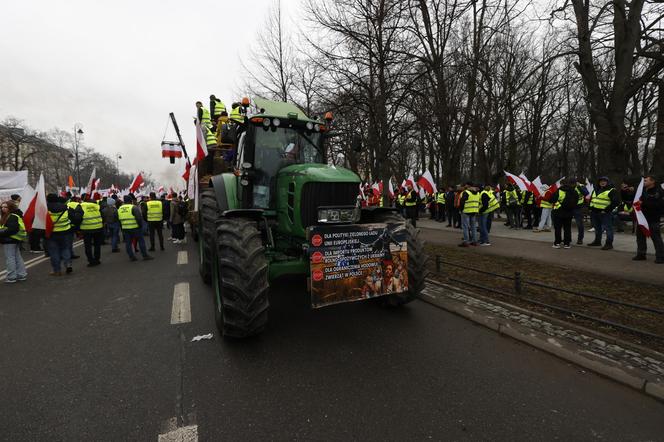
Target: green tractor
(255,219)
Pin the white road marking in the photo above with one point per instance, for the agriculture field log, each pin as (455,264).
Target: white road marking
(183,257)
(182,434)
(181,311)
(33,262)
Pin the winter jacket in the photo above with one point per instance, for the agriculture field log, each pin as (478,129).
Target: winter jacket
(614,196)
(652,203)
(562,211)
(57,207)
(11,228)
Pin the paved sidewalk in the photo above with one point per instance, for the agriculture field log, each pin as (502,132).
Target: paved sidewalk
(537,247)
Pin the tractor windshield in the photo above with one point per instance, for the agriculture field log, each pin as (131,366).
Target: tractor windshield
(276,148)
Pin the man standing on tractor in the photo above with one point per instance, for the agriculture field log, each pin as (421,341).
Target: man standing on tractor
(203,115)
(216,108)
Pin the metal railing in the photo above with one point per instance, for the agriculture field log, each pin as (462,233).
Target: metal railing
(519,293)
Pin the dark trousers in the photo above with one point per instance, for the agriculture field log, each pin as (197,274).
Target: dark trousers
(578,219)
(528,215)
(440,212)
(156,226)
(655,235)
(602,222)
(450,213)
(178,231)
(35,237)
(134,235)
(411,214)
(59,248)
(562,224)
(92,240)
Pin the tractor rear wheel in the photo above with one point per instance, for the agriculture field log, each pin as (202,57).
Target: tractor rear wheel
(206,224)
(417,260)
(241,279)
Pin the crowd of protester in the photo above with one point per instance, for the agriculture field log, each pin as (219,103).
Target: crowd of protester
(472,208)
(97,221)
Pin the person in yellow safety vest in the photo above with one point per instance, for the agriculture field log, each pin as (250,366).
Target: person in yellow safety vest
(582,193)
(58,243)
(155,217)
(546,206)
(92,229)
(603,200)
(440,206)
(400,200)
(564,202)
(236,113)
(216,108)
(527,201)
(513,206)
(12,233)
(488,204)
(410,202)
(469,206)
(203,115)
(131,223)
(72,204)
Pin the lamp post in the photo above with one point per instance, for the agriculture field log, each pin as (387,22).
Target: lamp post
(118,157)
(78,134)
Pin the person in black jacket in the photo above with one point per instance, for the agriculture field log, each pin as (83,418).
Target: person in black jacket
(652,206)
(603,200)
(59,241)
(564,201)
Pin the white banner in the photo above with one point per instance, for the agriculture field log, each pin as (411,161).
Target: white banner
(13,180)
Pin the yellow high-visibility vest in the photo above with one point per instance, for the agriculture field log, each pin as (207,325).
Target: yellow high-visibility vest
(410,200)
(61,221)
(440,198)
(21,235)
(493,202)
(601,201)
(91,216)
(561,198)
(126,217)
(472,204)
(155,211)
(205,118)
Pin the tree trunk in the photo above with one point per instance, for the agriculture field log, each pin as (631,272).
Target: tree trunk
(658,151)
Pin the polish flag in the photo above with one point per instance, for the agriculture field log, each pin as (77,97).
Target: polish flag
(530,185)
(201,146)
(390,189)
(426,181)
(171,150)
(96,184)
(136,183)
(411,180)
(187,169)
(36,215)
(590,188)
(378,186)
(404,185)
(554,187)
(537,186)
(91,182)
(640,217)
(161,189)
(517,181)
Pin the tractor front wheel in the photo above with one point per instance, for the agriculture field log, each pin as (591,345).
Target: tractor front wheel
(241,279)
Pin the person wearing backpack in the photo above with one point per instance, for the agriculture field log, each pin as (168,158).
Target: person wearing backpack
(564,201)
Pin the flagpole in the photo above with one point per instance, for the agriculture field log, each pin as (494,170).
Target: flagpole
(177,132)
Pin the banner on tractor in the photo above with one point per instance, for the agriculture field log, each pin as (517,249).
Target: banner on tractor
(355,262)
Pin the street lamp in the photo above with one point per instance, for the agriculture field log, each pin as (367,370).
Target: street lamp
(78,134)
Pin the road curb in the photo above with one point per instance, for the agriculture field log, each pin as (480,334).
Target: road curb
(565,350)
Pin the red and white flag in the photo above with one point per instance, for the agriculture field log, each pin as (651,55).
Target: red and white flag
(187,171)
(171,150)
(554,187)
(201,146)
(161,189)
(404,185)
(640,217)
(530,185)
(390,189)
(517,181)
(378,186)
(362,195)
(427,182)
(91,182)
(136,183)
(411,180)
(36,215)
(590,188)
(537,186)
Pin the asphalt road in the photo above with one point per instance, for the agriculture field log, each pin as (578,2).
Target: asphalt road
(94,356)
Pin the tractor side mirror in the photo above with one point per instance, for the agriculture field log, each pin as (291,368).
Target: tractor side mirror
(356,143)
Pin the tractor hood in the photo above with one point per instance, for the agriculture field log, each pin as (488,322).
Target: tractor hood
(318,172)
(303,188)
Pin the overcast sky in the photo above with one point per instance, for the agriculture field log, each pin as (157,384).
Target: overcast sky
(119,67)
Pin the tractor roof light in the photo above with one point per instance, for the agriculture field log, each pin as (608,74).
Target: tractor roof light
(276,122)
(245,101)
(266,122)
(310,125)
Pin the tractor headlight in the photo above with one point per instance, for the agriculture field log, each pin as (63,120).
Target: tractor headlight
(336,215)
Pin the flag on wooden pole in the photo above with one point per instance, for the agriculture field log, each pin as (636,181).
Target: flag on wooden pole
(640,217)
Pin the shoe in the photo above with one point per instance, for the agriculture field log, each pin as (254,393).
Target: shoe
(75,256)
(567,246)
(151,249)
(464,244)
(607,247)
(147,258)
(536,230)
(592,229)
(579,242)
(594,244)
(556,246)
(639,258)
(69,270)
(10,281)
(36,251)
(485,244)
(176,241)
(133,258)
(25,278)
(93,264)
(474,244)
(55,273)
(546,230)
